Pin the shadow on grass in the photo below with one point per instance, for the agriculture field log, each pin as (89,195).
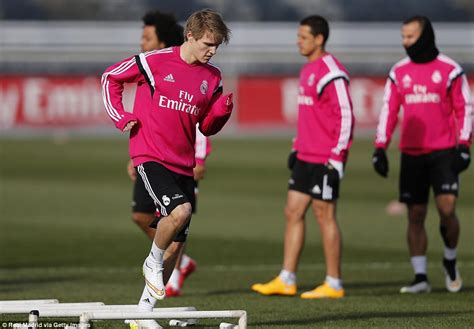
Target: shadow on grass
(37,280)
(444,291)
(366,288)
(375,284)
(352,289)
(358,316)
(222,292)
(23,284)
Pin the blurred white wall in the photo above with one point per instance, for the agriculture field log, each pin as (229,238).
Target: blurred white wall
(256,48)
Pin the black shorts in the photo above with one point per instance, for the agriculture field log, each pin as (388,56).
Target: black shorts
(167,190)
(419,172)
(314,179)
(142,201)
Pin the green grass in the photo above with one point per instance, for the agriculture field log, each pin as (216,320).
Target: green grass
(66,233)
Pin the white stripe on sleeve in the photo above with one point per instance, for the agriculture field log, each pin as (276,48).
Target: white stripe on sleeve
(467,126)
(334,73)
(381,136)
(346,116)
(457,69)
(111,111)
(147,69)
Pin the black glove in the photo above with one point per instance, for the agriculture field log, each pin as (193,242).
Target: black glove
(380,162)
(291,160)
(462,158)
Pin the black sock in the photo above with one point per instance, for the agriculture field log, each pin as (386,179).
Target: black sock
(450,266)
(419,277)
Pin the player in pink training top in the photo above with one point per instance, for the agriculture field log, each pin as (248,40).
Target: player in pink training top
(160,31)
(177,88)
(325,126)
(435,138)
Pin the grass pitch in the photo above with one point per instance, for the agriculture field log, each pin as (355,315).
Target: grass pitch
(66,233)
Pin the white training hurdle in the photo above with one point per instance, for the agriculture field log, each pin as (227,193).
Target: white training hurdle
(29,301)
(87,312)
(100,315)
(26,308)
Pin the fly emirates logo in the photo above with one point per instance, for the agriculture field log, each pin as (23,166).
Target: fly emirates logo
(303,99)
(421,95)
(183,104)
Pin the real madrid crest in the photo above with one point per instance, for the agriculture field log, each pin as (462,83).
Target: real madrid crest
(436,77)
(204,87)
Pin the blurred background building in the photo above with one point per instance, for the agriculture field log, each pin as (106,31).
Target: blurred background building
(53,51)
(242,10)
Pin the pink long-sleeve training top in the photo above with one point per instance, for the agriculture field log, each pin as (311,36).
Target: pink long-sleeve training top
(172,97)
(437,113)
(325,117)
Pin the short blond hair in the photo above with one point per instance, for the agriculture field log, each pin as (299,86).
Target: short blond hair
(207,20)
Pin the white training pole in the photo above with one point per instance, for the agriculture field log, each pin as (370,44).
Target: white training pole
(28,301)
(20,308)
(86,317)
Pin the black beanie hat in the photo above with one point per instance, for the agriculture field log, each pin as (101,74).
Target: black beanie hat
(424,49)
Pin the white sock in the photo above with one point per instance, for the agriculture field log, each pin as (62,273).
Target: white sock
(184,261)
(449,253)
(157,254)
(419,264)
(335,283)
(288,277)
(147,302)
(174,279)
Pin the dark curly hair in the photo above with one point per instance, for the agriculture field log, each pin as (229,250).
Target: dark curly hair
(167,28)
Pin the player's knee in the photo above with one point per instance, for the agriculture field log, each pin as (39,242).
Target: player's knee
(446,213)
(325,218)
(446,203)
(142,219)
(182,214)
(417,214)
(292,214)
(324,212)
(136,219)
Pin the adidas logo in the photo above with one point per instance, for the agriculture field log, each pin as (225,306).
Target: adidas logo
(316,190)
(169,78)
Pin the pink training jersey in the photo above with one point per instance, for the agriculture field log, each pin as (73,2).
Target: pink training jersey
(171,98)
(325,118)
(436,109)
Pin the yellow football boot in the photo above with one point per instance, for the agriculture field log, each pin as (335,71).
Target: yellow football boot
(275,287)
(323,291)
